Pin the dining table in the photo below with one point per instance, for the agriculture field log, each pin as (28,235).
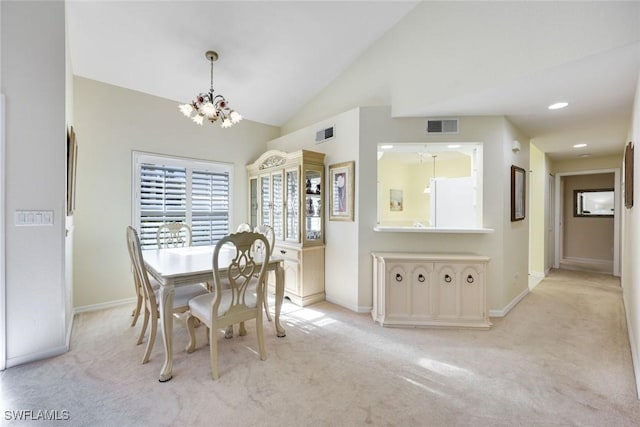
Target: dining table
(182,266)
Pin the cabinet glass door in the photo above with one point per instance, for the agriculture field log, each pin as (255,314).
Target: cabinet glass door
(265,200)
(253,202)
(313,205)
(278,205)
(293,212)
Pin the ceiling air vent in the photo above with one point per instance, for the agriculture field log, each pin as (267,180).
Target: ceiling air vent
(323,134)
(442,126)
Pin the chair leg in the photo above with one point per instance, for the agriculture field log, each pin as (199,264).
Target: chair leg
(228,333)
(260,334)
(152,337)
(136,311)
(266,307)
(213,344)
(145,322)
(191,325)
(243,331)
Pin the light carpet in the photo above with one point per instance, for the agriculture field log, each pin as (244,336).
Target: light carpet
(561,357)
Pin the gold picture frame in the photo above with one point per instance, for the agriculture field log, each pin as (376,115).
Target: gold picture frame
(628,176)
(341,191)
(518,193)
(72,160)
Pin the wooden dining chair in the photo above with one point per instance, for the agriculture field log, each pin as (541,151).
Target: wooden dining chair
(150,296)
(237,295)
(169,234)
(259,246)
(173,235)
(243,227)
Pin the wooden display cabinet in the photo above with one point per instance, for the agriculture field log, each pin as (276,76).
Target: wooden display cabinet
(286,191)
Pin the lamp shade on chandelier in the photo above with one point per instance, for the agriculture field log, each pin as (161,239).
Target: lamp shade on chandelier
(209,106)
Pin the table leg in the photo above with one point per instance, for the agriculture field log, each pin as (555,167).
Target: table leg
(279,298)
(166,327)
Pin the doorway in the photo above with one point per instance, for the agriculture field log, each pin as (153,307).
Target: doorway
(587,242)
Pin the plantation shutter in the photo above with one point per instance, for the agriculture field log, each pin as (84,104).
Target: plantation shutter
(210,206)
(181,190)
(163,198)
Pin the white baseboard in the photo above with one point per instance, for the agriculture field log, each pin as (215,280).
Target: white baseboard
(535,277)
(357,309)
(503,312)
(104,305)
(633,343)
(56,351)
(364,309)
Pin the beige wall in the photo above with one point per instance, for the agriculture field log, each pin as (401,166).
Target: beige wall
(507,246)
(630,269)
(587,163)
(583,237)
(341,237)
(349,244)
(110,123)
(33,81)
(538,187)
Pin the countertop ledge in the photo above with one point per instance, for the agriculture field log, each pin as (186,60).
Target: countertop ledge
(385,229)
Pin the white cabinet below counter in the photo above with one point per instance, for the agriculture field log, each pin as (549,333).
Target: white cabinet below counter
(421,290)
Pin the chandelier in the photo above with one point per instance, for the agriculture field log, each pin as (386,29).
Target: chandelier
(209,106)
(427,189)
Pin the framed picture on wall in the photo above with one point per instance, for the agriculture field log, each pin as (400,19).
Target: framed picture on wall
(72,160)
(628,176)
(395,200)
(341,197)
(518,193)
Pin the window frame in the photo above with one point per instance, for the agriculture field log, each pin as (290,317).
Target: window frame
(190,164)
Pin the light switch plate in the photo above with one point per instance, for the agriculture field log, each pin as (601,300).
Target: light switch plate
(33,218)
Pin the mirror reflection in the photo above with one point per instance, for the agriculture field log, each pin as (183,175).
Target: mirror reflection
(434,185)
(598,202)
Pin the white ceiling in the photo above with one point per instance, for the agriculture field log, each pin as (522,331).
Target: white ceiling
(276,56)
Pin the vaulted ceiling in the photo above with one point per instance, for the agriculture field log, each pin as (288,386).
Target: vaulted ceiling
(434,58)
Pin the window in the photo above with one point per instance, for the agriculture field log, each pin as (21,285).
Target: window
(440,185)
(182,190)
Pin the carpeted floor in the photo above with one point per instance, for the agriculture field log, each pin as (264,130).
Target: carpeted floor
(561,357)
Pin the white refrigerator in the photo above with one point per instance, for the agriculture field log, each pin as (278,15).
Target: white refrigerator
(453,203)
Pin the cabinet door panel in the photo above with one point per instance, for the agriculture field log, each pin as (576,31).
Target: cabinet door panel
(421,300)
(291,276)
(398,284)
(447,291)
(472,296)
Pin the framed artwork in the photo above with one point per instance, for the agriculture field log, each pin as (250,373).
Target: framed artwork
(341,197)
(518,193)
(72,159)
(395,200)
(628,176)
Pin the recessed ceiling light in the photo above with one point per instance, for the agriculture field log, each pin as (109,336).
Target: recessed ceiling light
(453,146)
(386,146)
(558,105)
(579,145)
